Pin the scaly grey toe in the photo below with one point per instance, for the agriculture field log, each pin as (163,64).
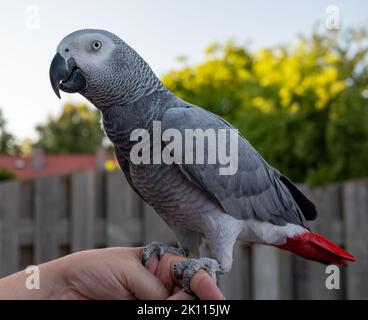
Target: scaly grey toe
(160,249)
(186,269)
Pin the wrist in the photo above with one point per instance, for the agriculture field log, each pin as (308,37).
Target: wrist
(53,279)
(52,283)
(45,281)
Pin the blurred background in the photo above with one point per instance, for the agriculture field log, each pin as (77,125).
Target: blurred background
(291,76)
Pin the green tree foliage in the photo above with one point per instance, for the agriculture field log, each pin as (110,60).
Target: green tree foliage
(304,107)
(76,130)
(8,143)
(6,174)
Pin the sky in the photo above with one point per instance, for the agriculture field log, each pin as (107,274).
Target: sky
(159,30)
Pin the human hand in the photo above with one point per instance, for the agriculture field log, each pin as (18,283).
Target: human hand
(117,273)
(113,273)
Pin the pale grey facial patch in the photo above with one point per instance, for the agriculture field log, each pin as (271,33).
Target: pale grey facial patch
(80,46)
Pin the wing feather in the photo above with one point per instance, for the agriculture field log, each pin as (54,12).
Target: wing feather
(256,190)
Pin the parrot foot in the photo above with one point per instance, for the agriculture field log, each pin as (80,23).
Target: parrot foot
(160,249)
(186,269)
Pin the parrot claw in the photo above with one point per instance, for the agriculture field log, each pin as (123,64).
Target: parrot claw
(160,249)
(186,269)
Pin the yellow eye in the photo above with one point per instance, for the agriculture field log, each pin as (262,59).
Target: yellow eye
(96,45)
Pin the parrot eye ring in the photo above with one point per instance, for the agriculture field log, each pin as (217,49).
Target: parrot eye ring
(96,45)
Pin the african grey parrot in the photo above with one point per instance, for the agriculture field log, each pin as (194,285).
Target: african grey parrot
(256,204)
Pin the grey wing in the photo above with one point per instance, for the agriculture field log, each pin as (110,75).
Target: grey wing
(256,190)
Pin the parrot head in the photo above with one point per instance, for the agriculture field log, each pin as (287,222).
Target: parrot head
(101,67)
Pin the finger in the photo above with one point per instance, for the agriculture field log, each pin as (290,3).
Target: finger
(201,284)
(144,285)
(177,289)
(205,287)
(152,263)
(165,268)
(172,260)
(181,295)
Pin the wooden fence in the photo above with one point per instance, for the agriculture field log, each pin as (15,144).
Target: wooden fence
(48,217)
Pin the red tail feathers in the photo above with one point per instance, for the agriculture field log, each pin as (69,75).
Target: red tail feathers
(315,247)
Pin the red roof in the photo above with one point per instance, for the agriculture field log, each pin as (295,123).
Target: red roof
(53,164)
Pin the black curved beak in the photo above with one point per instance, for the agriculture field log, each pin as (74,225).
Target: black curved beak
(65,76)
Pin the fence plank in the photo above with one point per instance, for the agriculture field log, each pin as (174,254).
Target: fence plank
(50,204)
(328,201)
(237,283)
(9,213)
(265,273)
(285,274)
(355,199)
(83,210)
(124,215)
(26,200)
(310,276)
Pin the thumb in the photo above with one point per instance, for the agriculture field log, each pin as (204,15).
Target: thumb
(144,285)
